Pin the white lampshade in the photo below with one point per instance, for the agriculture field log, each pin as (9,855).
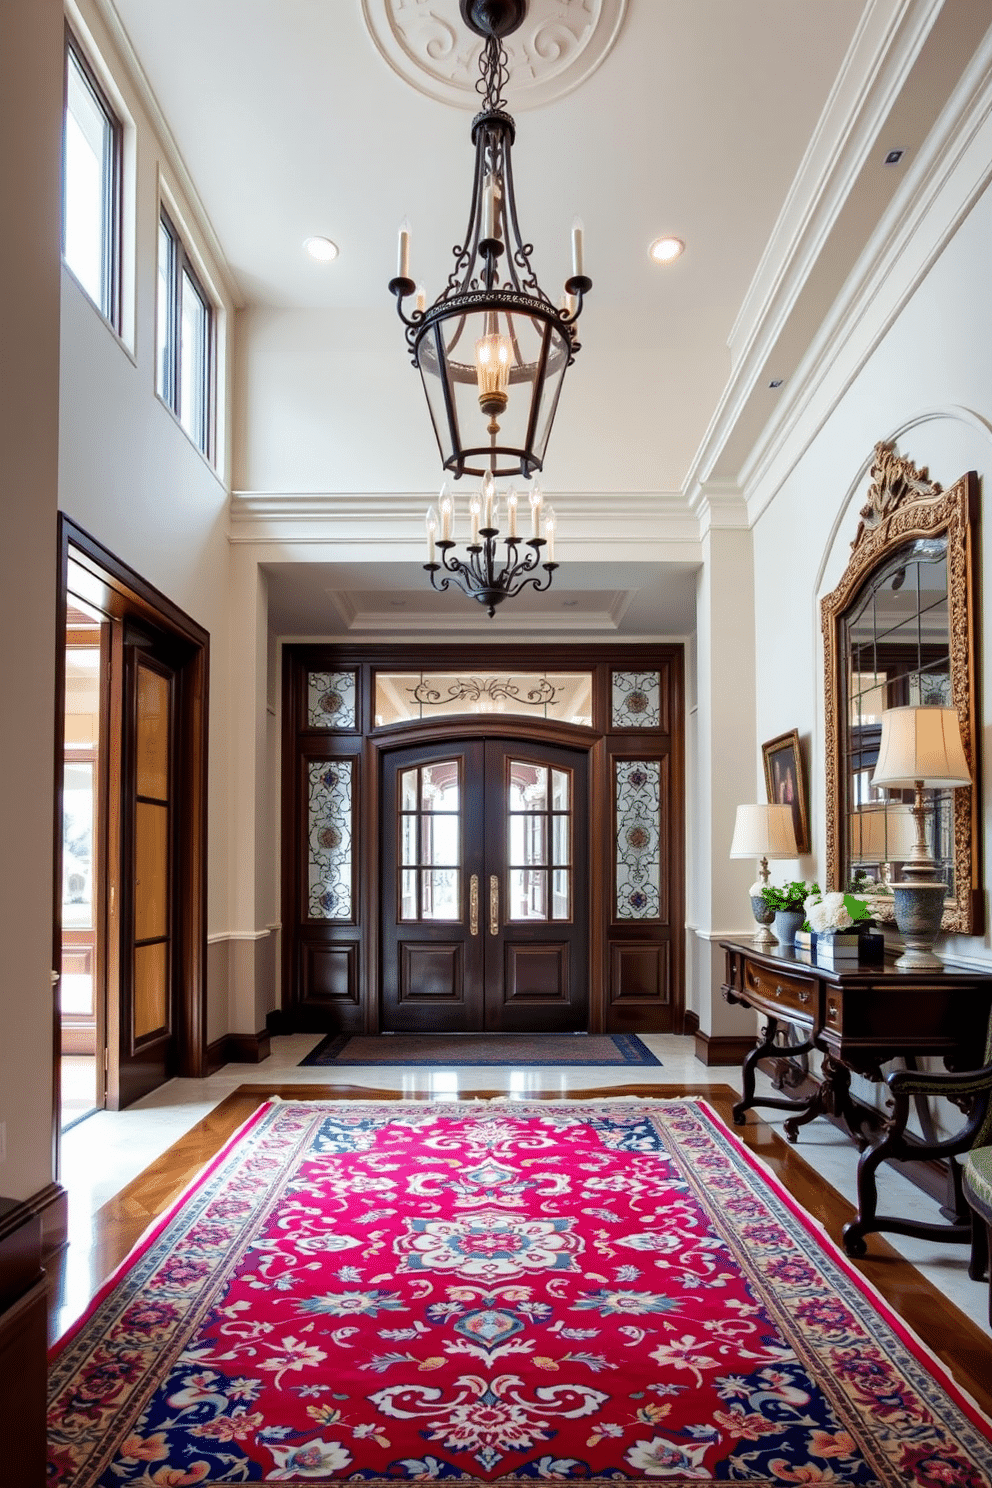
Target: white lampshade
(764,832)
(921,744)
(881,834)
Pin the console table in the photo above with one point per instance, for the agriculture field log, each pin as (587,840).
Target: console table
(858,1020)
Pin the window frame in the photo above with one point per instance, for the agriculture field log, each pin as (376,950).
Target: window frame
(113,206)
(171,395)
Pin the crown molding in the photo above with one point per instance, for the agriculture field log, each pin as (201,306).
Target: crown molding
(951,171)
(107,12)
(719,506)
(882,53)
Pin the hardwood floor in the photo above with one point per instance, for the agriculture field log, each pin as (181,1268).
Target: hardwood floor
(953,1337)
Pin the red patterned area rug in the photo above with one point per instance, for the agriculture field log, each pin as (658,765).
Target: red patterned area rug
(606,1291)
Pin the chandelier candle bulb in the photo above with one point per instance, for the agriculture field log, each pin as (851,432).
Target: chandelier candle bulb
(488,500)
(577,248)
(490,196)
(421,299)
(550,522)
(535,512)
(474,509)
(511,512)
(403,261)
(431,533)
(446,508)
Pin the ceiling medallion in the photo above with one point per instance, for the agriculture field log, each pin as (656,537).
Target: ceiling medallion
(559,44)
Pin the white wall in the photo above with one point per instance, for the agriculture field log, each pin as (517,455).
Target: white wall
(928,385)
(128,473)
(30,130)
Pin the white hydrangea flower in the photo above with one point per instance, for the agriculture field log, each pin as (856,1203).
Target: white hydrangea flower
(827,912)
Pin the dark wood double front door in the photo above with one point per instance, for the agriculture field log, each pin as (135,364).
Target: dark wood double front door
(484,888)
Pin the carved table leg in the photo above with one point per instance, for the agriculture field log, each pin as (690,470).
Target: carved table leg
(749,1070)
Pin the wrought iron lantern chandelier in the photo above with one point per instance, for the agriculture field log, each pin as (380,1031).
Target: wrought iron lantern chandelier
(492,349)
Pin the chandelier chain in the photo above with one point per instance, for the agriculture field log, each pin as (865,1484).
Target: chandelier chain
(494,73)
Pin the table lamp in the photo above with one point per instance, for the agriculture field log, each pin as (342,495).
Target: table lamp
(881,833)
(763,832)
(920,748)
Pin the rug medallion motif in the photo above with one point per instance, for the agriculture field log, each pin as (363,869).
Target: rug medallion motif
(608,1292)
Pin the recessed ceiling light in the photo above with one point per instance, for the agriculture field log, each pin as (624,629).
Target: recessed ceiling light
(893,157)
(569,604)
(322,249)
(664,250)
(398,604)
(776,382)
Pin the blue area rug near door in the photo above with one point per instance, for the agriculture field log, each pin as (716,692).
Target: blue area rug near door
(532,1050)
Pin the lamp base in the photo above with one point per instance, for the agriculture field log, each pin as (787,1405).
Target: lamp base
(919,908)
(763,936)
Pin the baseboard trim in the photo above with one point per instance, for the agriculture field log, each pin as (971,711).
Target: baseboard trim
(51,1205)
(690,1023)
(723,1049)
(278,1021)
(238,1048)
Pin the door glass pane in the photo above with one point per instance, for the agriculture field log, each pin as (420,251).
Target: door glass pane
(330,839)
(528,786)
(561,789)
(408,790)
(561,901)
(152,740)
(408,839)
(408,894)
(151,871)
(150,1005)
(440,839)
(529,841)
(560,835)
(440,891)
(439,786)
(528,894)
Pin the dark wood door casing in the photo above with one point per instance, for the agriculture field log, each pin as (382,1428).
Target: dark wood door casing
(108,584)
(332,970)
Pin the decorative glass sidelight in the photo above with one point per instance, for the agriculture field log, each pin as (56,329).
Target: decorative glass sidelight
(331,700)
(430,840)
(540,837)
(638,839)
(636,700)
(329,819)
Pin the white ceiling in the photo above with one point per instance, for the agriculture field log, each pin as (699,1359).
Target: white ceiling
(753,129)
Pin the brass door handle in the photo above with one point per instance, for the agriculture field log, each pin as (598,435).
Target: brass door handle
(473,904)
(493,904)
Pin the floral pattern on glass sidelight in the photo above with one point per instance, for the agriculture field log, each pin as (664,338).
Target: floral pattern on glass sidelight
(329,867)
(636,700)
(637,786)
(331,700)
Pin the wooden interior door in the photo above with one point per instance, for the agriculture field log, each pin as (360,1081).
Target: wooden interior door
(144,1055)
(485,888)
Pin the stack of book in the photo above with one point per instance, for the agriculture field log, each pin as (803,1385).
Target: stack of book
(839,950)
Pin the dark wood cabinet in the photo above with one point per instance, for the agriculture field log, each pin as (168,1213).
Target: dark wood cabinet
(23,1343)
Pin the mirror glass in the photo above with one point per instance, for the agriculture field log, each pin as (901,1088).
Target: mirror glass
(896,649)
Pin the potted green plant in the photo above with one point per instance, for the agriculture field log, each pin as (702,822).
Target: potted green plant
(786,901)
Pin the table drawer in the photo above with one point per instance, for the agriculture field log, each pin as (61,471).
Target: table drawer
(779,992)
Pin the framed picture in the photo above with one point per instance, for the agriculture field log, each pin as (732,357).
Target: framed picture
(785,781)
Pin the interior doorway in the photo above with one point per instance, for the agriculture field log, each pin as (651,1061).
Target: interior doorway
(485,902)
(130,840)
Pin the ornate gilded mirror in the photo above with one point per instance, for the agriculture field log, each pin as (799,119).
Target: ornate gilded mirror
(900,628)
